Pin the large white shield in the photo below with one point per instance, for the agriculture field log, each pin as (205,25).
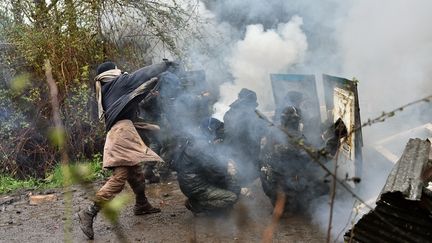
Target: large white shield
(342,103)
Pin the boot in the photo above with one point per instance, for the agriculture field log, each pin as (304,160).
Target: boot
(86,217)
(144,207)
(193,209)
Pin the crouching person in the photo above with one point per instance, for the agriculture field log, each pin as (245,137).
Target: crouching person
(286,169)
(208,181)
(118,94)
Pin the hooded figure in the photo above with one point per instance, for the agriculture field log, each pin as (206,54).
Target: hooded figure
(118,95)
(243,133)
(286,168)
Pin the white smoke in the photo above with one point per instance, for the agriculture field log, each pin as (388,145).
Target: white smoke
(260,53)
(384,44)
(387,47)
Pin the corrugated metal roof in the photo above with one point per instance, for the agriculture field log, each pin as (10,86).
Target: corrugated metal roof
(403,211)
(406,175)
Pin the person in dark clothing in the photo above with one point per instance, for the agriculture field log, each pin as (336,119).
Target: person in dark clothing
(292,98)
(182,101)
(286,168)
(195,84)
(148,126)
(150,134)
(206,178)
(332,137)
(172,118)
(243,133)
(180,109)
(118,95)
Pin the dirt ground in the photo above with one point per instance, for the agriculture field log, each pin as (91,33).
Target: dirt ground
(21,222)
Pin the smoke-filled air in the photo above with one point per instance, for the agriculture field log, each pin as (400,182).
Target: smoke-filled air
(230,121)
(383,45)
(260,53)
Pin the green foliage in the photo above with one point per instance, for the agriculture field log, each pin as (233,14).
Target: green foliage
(11,117)
(111,209)
(9,184)
(75,36)
(57,136)
(77,173)
(20,82)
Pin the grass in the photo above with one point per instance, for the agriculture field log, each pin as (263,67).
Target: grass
(10,184)
(76,172)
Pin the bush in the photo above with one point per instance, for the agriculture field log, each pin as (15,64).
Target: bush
(25,123)
(74,36)
(81,172)
(24,150)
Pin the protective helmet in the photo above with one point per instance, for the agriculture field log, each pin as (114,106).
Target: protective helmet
(213,128)
(247,94)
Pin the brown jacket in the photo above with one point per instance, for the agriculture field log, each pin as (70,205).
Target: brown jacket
(124,147)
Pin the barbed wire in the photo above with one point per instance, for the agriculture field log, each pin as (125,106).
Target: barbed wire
(318,154)
(392,113)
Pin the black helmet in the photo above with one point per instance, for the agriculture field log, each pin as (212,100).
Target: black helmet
(212,127)
(246,97)
(247,94)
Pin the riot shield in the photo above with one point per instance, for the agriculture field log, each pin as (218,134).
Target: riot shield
(300,91)
(341,100)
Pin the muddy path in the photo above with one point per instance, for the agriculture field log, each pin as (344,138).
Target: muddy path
(21,222)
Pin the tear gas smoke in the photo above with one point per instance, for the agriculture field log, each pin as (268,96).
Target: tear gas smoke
(388,51)
(260,53)
(385,45)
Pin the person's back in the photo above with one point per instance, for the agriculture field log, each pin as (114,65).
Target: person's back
(202,174)
(121,94)
(117,95)
(243,133)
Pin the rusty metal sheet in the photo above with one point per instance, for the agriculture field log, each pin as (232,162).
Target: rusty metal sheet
(403,211)
(394,219)
(406,175)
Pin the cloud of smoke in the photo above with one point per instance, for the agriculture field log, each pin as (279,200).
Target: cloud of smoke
(386,47)
(388,51)
(265,43)
(383,44)
(260,53)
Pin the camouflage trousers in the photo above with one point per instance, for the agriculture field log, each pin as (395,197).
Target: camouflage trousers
(213,199)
